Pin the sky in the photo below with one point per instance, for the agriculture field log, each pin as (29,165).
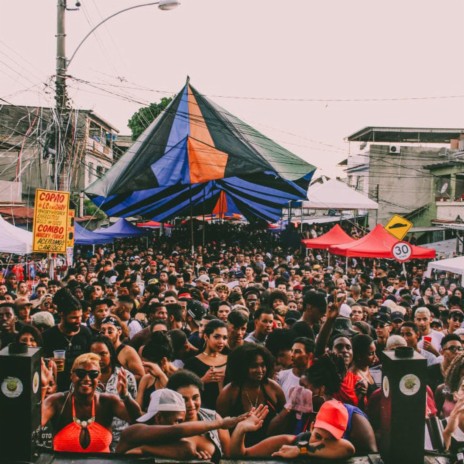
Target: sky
(306,73)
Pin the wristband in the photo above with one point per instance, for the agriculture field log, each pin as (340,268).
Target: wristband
(303,447)
(125,397)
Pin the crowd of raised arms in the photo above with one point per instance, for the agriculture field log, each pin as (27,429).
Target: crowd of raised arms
(240,349)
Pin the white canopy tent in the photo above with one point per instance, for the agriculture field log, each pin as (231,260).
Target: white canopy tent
(454,265)
(333,194)
(14,240)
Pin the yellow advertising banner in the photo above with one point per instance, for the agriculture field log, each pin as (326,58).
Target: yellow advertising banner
(50,221)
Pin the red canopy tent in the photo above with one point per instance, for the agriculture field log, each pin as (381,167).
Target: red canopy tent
(154,225)
(378,244)
(335,236)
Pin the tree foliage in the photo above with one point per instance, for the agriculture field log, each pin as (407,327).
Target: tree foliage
(141,119)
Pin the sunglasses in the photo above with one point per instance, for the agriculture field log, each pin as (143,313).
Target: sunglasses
(454,349)
(379,325)
(82,373)
(457,318)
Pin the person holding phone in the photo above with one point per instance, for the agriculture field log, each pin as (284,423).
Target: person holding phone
(431,339)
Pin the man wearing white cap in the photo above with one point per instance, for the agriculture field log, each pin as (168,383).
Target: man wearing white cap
(162,429)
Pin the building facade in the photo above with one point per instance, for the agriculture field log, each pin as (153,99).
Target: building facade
(28,147)
(399,168)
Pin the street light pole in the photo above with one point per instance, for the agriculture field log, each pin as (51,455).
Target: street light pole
(62,156)
(61,100)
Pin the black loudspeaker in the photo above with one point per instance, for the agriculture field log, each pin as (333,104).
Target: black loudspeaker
(20,403)
(403,407)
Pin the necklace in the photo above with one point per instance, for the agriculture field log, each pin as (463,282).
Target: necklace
(213,355)
(83,423)
(68,339)
(84,436)
(255,405)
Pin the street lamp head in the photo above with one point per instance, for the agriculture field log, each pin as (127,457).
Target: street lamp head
(168,4)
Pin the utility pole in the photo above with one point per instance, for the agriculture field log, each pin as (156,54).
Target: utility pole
(62,162)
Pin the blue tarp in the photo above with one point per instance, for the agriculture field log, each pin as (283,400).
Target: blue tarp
(191,157)
(121,229)
(86,237)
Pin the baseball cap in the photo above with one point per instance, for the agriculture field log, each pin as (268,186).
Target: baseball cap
(455,311)
(333,417)
(153,263)
(43,319)
(397,316)
(163,400)
(382,317)
(196,310)
(203,278)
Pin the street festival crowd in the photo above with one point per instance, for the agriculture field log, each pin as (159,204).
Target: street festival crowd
(250,346)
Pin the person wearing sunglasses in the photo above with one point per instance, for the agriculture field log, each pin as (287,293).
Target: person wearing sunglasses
(113,328)
(451,346)
(455,320)
(82,417)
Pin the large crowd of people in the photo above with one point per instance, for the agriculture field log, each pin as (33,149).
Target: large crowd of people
(243,348)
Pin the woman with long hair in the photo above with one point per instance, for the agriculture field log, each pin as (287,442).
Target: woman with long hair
(364,356)
(250,370)
(82,417)
(210,364)
(115,330)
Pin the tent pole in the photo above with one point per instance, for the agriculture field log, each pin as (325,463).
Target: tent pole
(191,220)
(204,222)
(346,265)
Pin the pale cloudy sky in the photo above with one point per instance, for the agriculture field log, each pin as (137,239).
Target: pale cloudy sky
(286,67)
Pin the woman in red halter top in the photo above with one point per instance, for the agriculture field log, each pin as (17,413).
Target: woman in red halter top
(82,417)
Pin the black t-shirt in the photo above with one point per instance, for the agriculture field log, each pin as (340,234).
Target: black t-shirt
(74,346)
(6,338)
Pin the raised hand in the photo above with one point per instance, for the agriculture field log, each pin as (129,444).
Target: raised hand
(47,373)
(152,369)
(231,422)
(121,385)
(333,309)
(260,412)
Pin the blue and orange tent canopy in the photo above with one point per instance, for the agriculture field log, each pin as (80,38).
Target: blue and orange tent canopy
(193,153)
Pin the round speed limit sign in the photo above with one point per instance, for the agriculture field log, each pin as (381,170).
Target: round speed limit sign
(402,251)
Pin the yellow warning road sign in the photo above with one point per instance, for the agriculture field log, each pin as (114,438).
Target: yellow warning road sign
(398,226)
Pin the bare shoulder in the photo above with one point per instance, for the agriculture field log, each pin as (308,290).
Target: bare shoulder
(108,400)
(273,385)
(57,400)
(230,390)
